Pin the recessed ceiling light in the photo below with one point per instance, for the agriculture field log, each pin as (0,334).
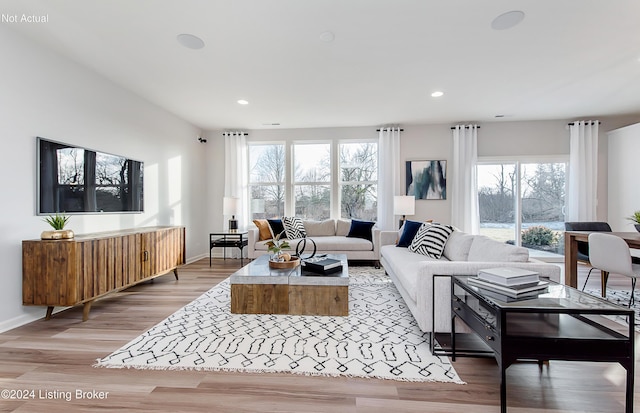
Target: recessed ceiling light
(437,94)
(507,20)
(190,41)
(327,37)
(243,102)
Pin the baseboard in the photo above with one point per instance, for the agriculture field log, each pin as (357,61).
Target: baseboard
(23,319)
(29,318)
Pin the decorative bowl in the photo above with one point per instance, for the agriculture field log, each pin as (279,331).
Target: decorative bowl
(292,263)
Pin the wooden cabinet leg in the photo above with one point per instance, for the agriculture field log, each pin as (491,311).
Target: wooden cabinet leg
(85,310)
(49,312)
(175,273)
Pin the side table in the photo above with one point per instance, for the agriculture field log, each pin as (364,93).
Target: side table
(562,324)
(228,238)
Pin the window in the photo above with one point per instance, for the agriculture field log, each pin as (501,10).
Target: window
(522,202)
(326,180)
(359,180)
(267,180)
(312,180)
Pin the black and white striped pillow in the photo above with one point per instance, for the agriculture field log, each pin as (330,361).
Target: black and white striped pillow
(431,239)
(294,228)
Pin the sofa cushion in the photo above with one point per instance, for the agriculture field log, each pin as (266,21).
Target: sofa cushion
(361,229)
(342,227)
(486,249)
(320,228)
(405,265)
(324,244)
(293,227)
(458,245)
(431,239)
(277,227)
(409,231)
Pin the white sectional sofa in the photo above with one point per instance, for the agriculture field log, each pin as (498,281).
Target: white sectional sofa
(415,275)
(330,237)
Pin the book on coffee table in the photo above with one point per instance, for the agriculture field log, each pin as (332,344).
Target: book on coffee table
(508,299)
(323,265)
(512,291)
(509,276)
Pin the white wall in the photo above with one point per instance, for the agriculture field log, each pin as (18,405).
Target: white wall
(624,195)
(46,95)
(420,142)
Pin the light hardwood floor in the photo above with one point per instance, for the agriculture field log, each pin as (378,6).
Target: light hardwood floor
(53,357)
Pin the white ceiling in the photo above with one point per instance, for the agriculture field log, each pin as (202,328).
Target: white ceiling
(566,59)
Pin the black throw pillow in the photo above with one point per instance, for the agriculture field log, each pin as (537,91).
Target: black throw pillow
(277,227)
(361,229)
(409,231)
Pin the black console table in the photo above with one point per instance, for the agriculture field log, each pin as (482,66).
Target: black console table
(562,324)
(228,239)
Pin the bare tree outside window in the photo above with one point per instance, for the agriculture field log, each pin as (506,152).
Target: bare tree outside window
(359,180)
(266,180)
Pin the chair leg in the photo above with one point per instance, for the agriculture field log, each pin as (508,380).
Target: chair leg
(605,277)
(588,275)
(632,300)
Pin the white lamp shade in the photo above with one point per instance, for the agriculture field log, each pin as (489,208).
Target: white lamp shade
(404,205)
(230,205)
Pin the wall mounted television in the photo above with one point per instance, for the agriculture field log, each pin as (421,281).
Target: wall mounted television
(76,180)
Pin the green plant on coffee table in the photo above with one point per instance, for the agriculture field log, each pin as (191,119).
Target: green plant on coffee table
(635,217)
(539,235)
(57,221)
(276,245)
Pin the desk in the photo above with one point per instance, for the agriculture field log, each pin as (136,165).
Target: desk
(571,239)
(224,239)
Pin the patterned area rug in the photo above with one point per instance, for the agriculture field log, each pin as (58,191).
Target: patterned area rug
(379,338)
(621,298)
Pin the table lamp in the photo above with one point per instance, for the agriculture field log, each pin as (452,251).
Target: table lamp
(404,205)
(230,207)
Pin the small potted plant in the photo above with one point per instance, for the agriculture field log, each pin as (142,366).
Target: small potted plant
(58,223)
(278,258)
(635,218)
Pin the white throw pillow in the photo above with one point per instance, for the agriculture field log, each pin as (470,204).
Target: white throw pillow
(293,227)
(431,239)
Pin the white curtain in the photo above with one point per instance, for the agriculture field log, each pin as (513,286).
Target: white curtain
(235,176)
(463,186)
(583,171)
(389,172)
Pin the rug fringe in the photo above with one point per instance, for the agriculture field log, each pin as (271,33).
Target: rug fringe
(100,364)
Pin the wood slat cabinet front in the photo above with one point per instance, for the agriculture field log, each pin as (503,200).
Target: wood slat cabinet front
(77,271)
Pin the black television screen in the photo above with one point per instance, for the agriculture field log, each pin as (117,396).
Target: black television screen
(72,179)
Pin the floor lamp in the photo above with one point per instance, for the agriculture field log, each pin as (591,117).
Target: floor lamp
(404,205)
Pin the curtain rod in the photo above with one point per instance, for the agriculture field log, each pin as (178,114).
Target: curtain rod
(236,133)
(465,126)
(590,123)
(378,130)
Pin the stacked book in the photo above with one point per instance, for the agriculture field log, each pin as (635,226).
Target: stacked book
(322,265)
(509,284)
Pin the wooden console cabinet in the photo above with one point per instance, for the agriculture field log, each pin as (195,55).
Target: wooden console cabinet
(80,270)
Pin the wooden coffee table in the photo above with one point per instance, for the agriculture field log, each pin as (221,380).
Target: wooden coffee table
(258,289)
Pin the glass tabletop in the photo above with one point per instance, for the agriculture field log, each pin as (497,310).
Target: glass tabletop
(557,297)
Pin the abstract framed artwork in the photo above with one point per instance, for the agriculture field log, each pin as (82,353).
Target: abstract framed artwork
(426,179)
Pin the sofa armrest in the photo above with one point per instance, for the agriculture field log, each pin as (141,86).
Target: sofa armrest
(438,304)
(253,236)
(388,238)
(382,238)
